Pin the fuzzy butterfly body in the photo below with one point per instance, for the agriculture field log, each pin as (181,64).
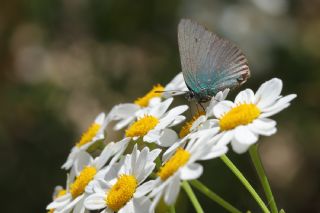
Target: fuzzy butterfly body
(209,63)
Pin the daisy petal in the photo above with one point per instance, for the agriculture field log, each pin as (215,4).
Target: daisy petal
(128,208)
(191,171)
(239,148)
(95,201)
(280,103)
(161,108)
(172,190)
(244,135)
(141,205)
(268,93)
(145,188)
(245,96)
(216,151)
(167,138)
(59,202)
(221,108)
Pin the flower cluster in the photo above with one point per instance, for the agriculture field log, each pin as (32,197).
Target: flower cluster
(152,158)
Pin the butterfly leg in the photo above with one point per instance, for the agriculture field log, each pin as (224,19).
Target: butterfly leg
(202,107)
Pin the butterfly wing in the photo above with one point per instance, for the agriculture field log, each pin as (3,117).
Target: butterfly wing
(209,63)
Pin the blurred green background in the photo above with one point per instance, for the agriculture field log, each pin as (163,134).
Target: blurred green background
(64,61)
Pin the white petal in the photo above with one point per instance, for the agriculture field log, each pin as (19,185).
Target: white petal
(123,111)
(239,147)
(221,108)
(265,132)
(154,101)
(176,111)
(167,138)
(100,118)
(145,188)
(95,201)
(245,96)
(155,202)
(172,190)
(127,208)
(59,202)
(161,108)
(191,171)
(264,123)
(268,93)
(82,161)
(123,123)
(141,205)
(140,163)
(225,137)
(177,120)
(214,152)
(152,136)
(198,122)
(244,135)
(71,205)
(280,103)
(79,207)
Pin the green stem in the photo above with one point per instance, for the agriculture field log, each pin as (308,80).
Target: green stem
(254,154)
(213,196)
(187,188)
(172,209)
(245,182)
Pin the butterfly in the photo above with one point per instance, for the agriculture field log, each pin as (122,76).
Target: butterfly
(209,63)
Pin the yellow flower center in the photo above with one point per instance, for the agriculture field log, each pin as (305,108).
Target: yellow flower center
(242,114)
(142,126)
(179,159)
(121,192)
(187,126)
(89,134)
(79,185)
(155,92)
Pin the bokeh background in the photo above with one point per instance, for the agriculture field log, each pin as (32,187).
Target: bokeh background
(64,61)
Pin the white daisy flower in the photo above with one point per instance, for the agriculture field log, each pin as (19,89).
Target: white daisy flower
(123,189)
(199,120)
(154,126)
(243,120)
(86,169)
(94,133)
(179,163)
(127,113)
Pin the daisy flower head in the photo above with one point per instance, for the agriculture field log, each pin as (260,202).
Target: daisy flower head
(86,170)
(123,189)
(94,133)
(180,163)
(127,113)
(154,127)
(243,120)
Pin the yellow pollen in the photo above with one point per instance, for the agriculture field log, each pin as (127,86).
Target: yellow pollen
(187,126)
(242,114)
(142,126)
(79,185)
(155,92)
(121,192)
(179,159)
(89,134)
